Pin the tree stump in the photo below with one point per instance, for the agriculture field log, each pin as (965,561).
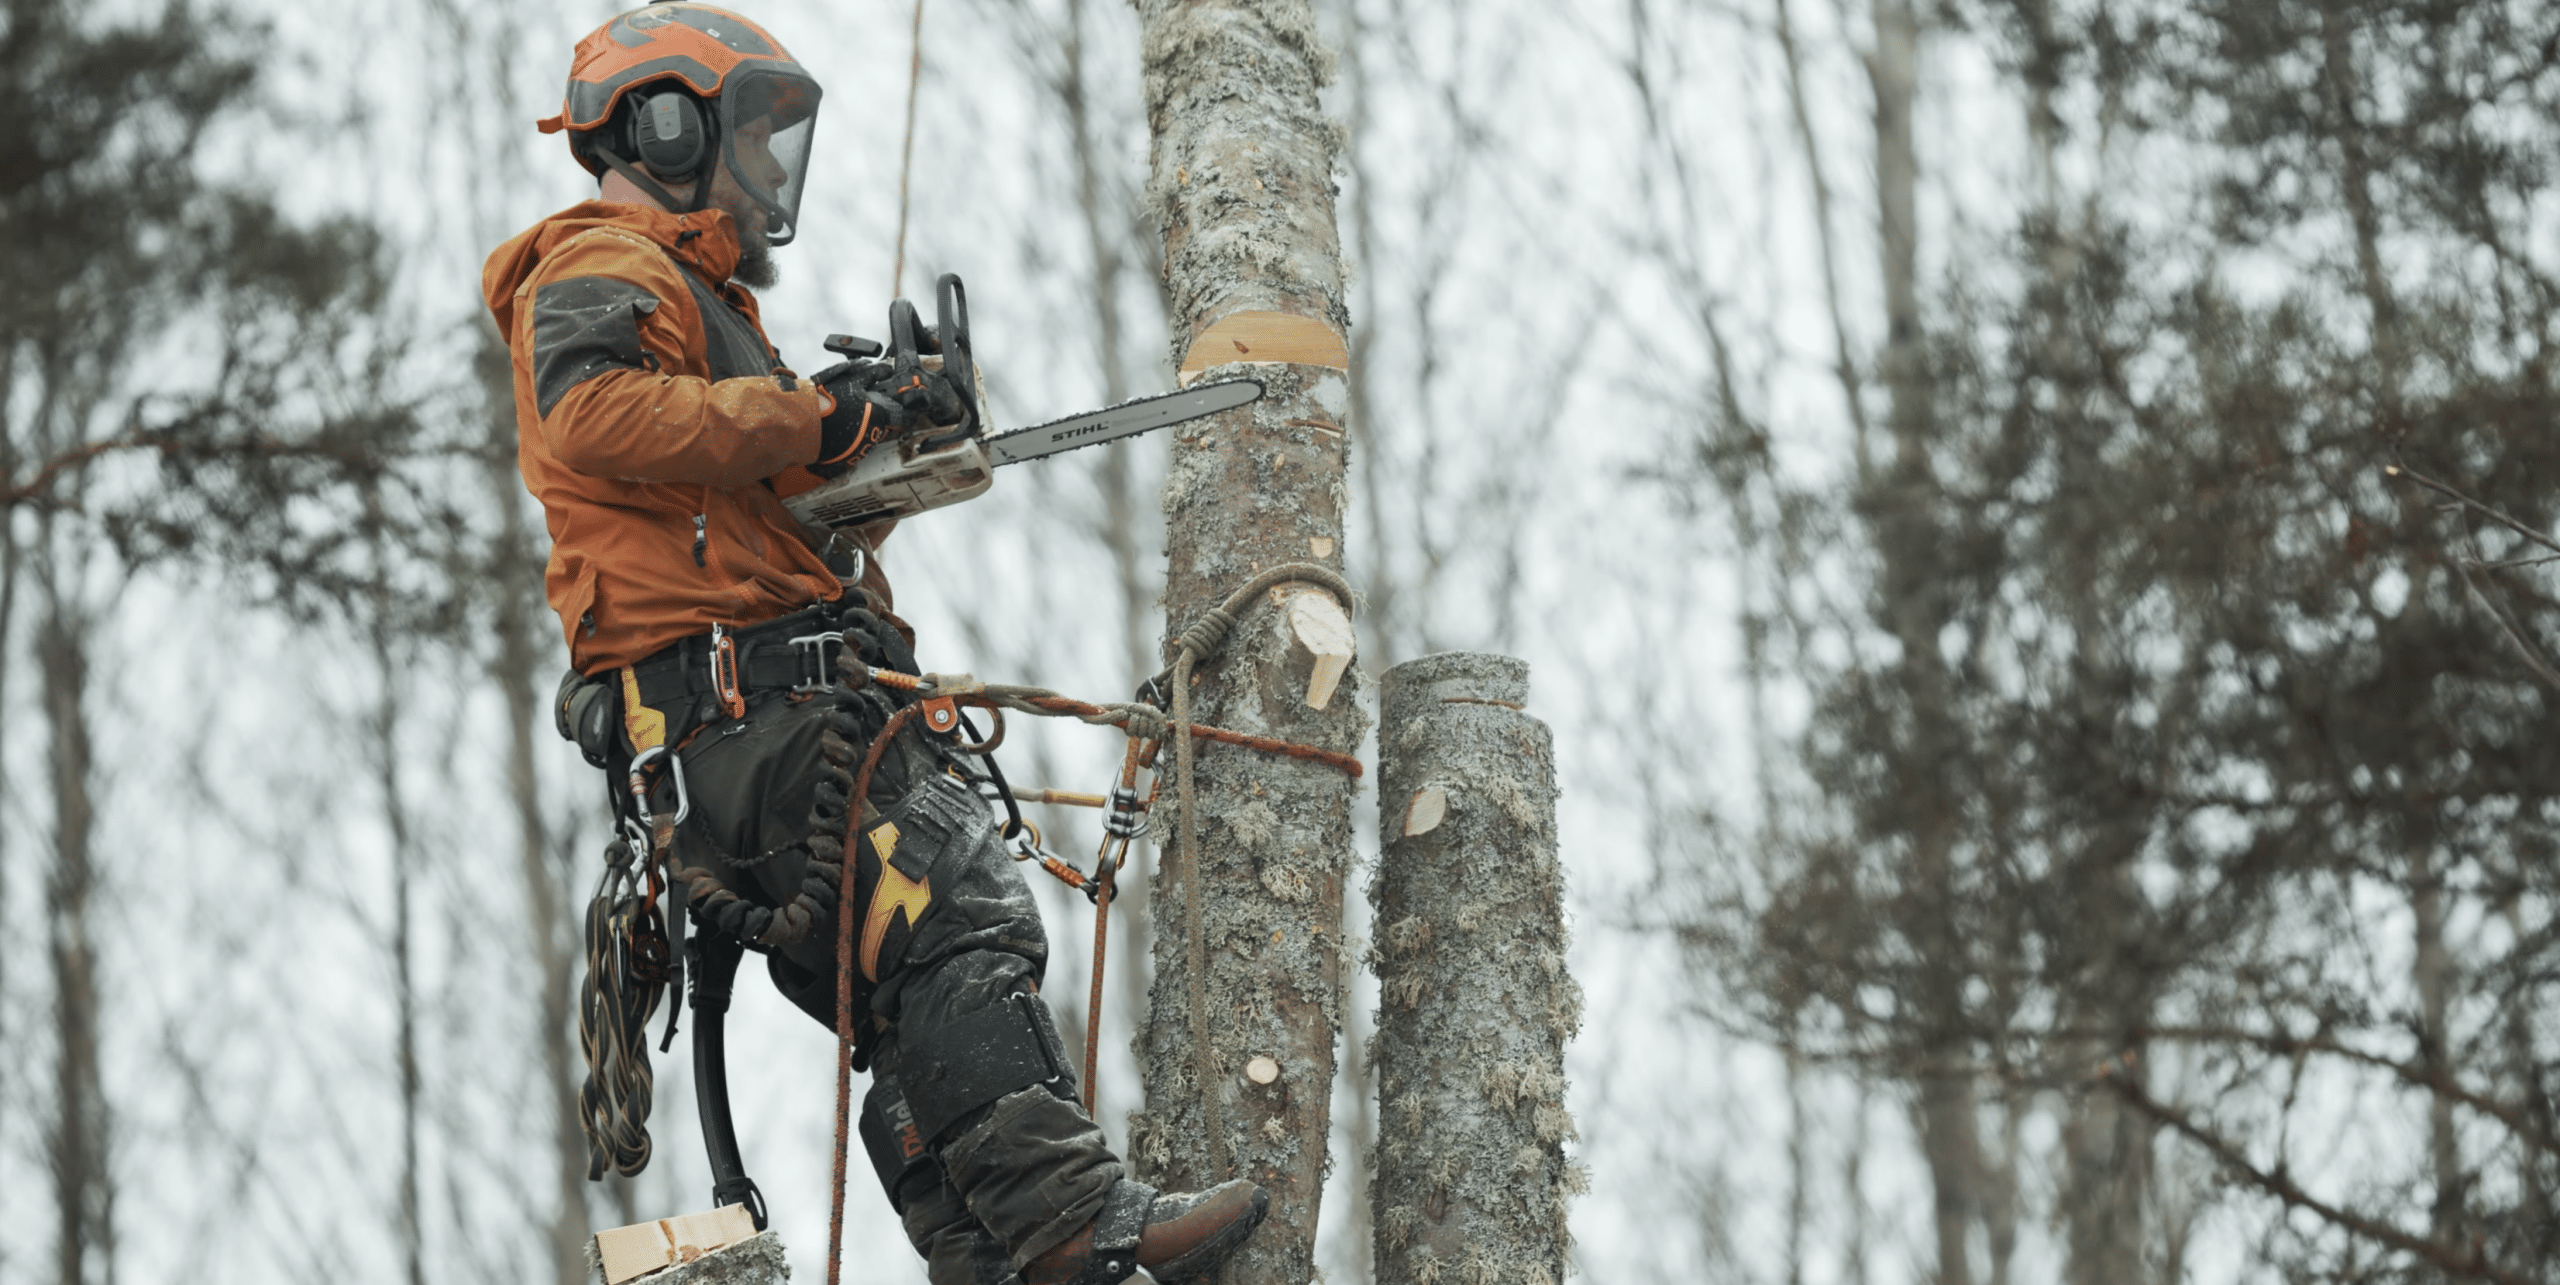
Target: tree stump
(1470,1178)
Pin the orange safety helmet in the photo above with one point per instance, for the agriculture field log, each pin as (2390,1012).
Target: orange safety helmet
(679,87)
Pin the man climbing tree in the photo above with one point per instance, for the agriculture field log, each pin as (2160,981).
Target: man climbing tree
(730,675)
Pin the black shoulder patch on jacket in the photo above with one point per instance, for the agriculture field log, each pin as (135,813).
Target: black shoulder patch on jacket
(583,327)
(735,350)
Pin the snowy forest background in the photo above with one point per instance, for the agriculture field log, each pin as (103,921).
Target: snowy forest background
(2043,801)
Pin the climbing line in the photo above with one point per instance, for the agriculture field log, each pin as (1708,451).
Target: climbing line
(906,166)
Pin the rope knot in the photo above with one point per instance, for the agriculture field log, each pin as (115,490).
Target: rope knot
(1142,722)
(1208,634)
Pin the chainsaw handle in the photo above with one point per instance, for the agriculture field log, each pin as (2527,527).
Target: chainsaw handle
(951,339)
(906,336)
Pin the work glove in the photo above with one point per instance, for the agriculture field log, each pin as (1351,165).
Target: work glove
(862,416)
(926,395)
(874,400)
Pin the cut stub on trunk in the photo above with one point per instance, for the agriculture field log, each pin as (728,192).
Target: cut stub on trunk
(721,1247)
(1323,628)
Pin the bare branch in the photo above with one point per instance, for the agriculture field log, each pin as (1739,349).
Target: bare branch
(2525,650)
(2437,1080)
(53,469)
(2279,1184)
(2403,470)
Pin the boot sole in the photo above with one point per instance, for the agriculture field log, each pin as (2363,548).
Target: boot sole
(1205,1257)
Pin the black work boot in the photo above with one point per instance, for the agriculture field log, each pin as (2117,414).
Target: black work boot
(1174,1237)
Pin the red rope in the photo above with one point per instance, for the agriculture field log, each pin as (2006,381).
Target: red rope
(844,982)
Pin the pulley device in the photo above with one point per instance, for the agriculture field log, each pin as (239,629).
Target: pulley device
(937,465)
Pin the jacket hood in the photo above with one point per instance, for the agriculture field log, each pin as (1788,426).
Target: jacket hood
(705,241)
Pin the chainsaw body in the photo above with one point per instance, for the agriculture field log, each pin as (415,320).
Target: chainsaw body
(928,466)
(903,476)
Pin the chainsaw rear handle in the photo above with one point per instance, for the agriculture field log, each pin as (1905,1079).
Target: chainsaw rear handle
(909,344)
(959,359)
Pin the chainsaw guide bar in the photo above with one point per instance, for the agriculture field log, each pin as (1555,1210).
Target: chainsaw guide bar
(1128,419)
(901,478)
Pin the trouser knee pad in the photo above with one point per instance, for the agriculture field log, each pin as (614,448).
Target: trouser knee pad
(951,1073)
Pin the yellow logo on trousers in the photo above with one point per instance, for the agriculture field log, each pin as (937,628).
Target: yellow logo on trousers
(895,893)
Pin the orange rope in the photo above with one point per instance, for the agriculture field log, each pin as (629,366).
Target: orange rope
(1268,745)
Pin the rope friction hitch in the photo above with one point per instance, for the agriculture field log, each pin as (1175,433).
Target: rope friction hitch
(941,464)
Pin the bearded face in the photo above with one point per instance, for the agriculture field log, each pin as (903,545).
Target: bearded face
(755,248)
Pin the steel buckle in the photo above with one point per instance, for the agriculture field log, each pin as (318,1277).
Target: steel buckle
(813,650)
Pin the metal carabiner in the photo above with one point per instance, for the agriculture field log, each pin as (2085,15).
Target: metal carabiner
(640,791)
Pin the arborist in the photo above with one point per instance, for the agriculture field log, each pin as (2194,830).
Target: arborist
(661,432)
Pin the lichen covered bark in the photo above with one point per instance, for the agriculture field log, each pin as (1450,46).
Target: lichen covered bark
(1243,187)
(1475,1003)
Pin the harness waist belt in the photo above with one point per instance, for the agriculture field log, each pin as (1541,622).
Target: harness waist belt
(795,652)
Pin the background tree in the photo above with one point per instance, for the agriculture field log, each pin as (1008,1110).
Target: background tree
(2231,789)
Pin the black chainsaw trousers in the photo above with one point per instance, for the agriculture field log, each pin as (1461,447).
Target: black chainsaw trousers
(999,1161)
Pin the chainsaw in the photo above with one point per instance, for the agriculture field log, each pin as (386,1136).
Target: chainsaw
(937,465)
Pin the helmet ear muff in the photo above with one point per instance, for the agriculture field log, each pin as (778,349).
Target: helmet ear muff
(667,133)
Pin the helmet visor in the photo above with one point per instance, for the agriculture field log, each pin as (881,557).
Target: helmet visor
(768,117)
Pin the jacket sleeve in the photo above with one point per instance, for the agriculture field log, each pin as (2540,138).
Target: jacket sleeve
(609,337)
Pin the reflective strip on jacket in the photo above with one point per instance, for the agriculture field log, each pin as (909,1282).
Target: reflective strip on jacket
(657,427)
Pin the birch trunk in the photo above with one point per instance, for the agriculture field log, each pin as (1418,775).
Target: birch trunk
(1471,1177)
(1242,186)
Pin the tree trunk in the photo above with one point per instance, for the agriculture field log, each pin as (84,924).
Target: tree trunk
(546,921)
(1471,1174)
(1914,609)
(83,1186)
(383,730)
(1243,185)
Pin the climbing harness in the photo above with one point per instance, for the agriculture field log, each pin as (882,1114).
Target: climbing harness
(635,928)
(932,697)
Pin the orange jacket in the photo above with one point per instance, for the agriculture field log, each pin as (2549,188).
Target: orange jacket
(657,427)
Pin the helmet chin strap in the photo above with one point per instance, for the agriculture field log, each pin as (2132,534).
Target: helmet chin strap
(666,200)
